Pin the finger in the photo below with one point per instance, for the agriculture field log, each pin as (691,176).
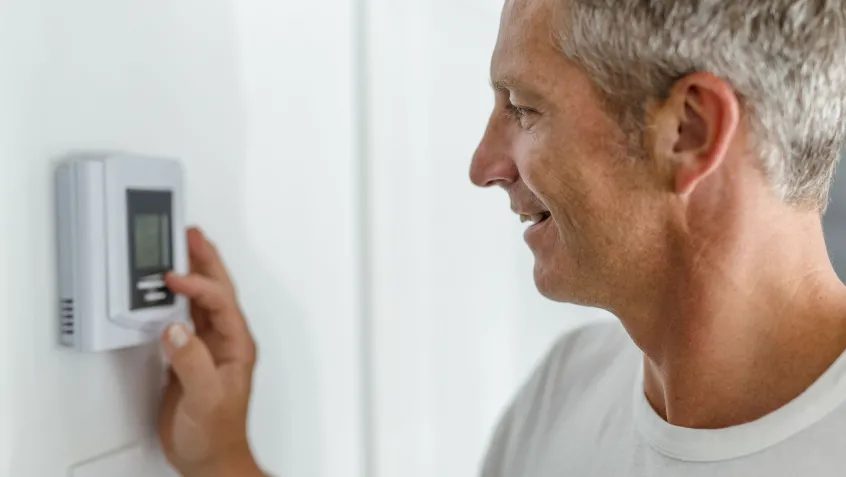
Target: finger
(199,316)
(194,367)
(205,257)
(207,293)
(218,303)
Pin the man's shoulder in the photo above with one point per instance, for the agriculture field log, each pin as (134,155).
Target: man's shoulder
(574,361)
(562,381)
(587,343)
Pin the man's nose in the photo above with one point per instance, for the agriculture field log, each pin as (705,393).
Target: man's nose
(492,164)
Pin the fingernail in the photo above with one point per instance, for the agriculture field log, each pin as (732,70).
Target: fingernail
(178,336)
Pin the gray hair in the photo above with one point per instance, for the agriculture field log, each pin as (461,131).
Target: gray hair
(785,59)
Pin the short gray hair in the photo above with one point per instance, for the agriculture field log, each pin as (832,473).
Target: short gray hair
(786,60)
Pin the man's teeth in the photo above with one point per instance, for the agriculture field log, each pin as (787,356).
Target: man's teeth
(535,218)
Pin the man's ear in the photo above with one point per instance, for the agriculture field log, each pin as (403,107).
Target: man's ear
(693,128)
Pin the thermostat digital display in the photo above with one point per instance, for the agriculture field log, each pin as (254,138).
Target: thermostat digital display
(150,243)
(120,229)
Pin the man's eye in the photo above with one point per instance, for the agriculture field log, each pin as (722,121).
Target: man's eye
(517,114)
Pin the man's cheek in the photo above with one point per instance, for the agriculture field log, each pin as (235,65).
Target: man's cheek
(536,165)
(524,154)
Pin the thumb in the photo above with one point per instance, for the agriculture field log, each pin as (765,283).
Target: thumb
(194,367)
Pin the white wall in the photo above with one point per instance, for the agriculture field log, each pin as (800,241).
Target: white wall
(256,98)
(457,322)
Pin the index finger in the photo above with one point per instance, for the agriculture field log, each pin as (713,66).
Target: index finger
(205,258)
(210,296)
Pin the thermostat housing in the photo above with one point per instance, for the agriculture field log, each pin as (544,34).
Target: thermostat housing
(120,228)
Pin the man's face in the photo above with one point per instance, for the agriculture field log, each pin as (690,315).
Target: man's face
(562,159)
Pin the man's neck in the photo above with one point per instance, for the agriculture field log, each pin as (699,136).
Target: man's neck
(740,338)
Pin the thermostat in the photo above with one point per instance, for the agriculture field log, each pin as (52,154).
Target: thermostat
(120,225)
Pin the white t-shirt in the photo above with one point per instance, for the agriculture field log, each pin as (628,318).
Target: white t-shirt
(583,413)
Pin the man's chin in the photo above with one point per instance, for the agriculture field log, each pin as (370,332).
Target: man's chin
(549,286)
(559,288)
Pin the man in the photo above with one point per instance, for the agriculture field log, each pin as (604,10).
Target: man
(674,159)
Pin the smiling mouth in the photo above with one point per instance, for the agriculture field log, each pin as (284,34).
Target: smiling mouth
(535,218)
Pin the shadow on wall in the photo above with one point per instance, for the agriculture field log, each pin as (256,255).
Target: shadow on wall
(834,222)
(165,83)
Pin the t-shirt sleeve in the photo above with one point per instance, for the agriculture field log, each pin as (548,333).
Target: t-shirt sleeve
(512,422)
(571,359)
(494,462)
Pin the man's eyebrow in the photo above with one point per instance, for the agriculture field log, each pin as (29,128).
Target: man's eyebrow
(504,85)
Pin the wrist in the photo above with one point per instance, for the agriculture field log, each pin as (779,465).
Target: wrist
(233,464)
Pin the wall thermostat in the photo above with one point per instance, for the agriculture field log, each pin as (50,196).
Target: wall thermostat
(121,227)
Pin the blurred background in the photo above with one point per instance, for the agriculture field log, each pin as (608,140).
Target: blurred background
(327,147)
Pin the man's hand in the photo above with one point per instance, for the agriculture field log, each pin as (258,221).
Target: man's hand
(203,417)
